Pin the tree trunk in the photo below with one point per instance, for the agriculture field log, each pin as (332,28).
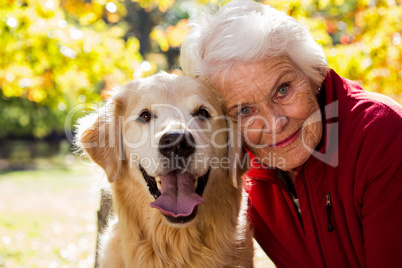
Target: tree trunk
(103,214)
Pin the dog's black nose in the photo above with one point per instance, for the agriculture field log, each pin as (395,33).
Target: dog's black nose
(177,143)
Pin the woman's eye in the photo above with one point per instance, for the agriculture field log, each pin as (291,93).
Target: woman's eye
(202,114)
(245,111)
(283,90)
(144,116)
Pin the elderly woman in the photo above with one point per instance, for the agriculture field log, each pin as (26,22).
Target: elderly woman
(325,184)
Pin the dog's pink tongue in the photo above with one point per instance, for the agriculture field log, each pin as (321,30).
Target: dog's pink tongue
(178,195)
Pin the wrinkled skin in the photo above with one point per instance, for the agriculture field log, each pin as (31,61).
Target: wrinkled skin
(276,105)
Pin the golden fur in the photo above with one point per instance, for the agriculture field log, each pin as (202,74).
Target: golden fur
(141,236)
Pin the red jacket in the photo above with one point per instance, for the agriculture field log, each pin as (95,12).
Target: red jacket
(351,212)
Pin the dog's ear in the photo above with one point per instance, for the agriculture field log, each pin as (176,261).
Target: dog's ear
(100,136)
(238,158)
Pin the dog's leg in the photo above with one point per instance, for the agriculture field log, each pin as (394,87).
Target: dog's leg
(249,248)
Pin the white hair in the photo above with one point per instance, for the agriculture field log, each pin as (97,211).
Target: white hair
(244,31)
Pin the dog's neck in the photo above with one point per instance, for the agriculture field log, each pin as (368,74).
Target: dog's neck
(150,233)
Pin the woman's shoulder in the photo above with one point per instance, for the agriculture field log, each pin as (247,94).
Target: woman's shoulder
(360,107)
(370,128)
(364,128)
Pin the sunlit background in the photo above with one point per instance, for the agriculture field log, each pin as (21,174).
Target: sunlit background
(59,57)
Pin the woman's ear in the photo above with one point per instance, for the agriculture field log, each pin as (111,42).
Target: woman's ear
(238,157)
(100,136)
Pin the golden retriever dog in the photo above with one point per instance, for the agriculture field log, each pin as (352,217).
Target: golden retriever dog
(173,163)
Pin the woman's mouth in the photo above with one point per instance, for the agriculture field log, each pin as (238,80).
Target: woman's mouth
(288,140)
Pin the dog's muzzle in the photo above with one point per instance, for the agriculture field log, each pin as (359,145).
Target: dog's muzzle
(179,143)
(177,193)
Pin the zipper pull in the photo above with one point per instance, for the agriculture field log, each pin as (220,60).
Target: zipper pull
(328,207)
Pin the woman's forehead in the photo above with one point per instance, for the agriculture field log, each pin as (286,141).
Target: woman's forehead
(256,72)
(254,77)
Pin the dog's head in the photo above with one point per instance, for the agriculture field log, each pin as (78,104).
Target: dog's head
(168,132)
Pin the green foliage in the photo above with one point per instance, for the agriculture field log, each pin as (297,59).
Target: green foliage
(56,54)
(51,60)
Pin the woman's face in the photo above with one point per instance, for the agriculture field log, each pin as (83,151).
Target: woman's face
(277,109)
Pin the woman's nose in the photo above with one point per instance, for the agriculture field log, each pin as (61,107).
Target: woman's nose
(275,121)
(275,124)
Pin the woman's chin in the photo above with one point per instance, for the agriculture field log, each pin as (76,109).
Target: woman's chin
(283,159)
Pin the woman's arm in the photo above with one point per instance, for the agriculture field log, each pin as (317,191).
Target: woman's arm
(382,213)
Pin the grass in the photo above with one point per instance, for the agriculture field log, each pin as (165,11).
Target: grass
(48,217)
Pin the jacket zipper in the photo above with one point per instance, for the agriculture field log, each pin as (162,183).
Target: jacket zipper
(331,228)
(328,207)
(312,220)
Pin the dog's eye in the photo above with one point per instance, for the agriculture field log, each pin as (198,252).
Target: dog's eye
(202,113)
(144,117)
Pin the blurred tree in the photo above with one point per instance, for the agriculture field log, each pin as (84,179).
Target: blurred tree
(56,54)
(361,38)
